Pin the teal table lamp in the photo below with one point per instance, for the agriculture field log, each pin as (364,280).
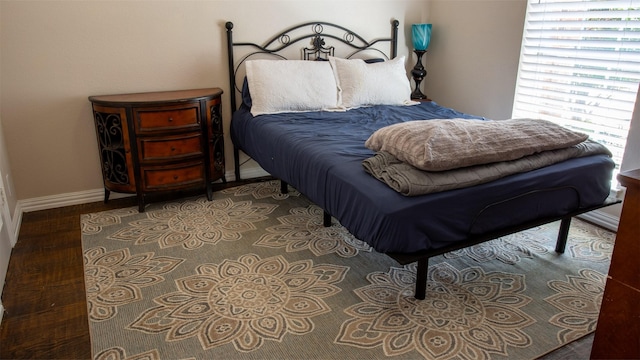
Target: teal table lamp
(421,36)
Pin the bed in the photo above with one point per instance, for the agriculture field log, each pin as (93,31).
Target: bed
(321,152)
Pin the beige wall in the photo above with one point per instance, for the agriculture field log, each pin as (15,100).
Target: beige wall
(631,159)
(53,54)
(473,61)
(56,53)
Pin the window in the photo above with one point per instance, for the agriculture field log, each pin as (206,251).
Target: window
(580,67)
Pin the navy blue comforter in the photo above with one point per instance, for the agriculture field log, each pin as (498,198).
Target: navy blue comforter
(321,153)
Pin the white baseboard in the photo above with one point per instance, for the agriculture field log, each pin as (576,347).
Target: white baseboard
(601,218)
(251,173)
(83,197)
(60,200)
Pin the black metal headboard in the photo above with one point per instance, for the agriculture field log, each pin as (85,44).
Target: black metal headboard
(315,34)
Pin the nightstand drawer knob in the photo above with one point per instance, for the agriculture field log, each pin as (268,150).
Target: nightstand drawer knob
(175,177)
(170,119)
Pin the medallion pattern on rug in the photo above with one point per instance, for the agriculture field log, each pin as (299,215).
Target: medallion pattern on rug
(578,299)
(303,229)
(509,249)
(244,302)
(114,278)
(118,353)
(195,223)
(467,314)
(513,248)
(255,288)
(583,246)
(262,190)
(94,222)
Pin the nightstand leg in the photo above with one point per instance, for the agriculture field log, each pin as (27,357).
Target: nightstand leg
(141,203)
(106,195)
(209,192)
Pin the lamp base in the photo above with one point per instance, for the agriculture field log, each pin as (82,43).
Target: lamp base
(424,99)
(418,73)
(417,95)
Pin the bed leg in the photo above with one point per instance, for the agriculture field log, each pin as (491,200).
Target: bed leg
(326,220)
(236,162)
(421,279)
(563,234)
(284,187)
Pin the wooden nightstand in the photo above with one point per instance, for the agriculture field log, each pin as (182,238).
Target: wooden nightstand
(160,141)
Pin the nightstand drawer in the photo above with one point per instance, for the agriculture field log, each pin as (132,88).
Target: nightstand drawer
(170,147)
(167,119)
(164,178)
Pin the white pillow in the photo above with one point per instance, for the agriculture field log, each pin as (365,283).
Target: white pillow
(380,83)
(290,86)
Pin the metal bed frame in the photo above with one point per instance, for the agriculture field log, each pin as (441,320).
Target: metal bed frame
(318,50)
(314,33)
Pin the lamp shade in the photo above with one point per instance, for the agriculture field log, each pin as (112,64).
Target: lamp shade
(421,34)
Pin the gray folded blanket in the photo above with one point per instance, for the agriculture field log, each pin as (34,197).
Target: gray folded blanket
(411,181)
(445,144)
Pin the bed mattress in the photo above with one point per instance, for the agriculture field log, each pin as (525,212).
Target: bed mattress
(321,154)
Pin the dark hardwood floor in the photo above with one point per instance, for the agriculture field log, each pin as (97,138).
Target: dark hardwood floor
(45,311)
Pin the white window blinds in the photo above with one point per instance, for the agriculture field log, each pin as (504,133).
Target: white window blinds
(580,67)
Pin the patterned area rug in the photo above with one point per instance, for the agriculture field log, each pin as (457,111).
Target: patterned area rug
(253,274)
